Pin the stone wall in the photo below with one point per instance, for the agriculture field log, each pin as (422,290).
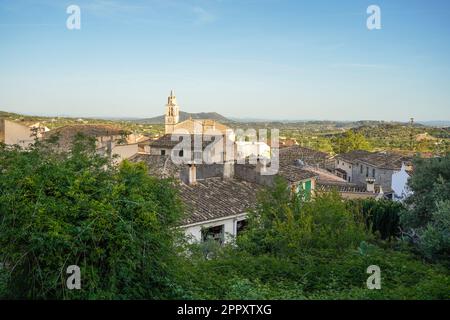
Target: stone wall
(249,172)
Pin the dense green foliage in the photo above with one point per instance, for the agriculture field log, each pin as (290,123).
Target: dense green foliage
(119,225)
(382,216)
(284,223)
(427,220)
(315,250)
(350,141)
(58,210)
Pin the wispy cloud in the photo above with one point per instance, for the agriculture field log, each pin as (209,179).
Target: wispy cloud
(362,66)
(203,16)
(108,7)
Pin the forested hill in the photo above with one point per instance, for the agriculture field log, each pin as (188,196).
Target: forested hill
(186,115)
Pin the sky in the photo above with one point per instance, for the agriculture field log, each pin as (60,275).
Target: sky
(265,59)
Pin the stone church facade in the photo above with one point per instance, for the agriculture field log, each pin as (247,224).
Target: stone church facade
(190,126)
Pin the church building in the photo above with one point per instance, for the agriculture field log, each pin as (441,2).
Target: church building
(192,126)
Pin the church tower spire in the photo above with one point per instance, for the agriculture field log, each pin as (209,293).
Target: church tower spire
(172,113)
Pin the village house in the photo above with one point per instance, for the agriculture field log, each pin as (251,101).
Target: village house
(383,169)
(218,197)
(305,156)
(219,194)
(400,183)
(205,129)
(109,140)
(217,208)
(20,132)
(321,164)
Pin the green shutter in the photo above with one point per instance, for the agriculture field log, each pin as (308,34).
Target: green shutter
(307,186)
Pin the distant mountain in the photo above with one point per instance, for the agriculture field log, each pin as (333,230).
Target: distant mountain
(436,123)
(7,114)
(186,116)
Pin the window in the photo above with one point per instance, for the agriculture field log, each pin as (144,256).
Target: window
(373,173)
(180,153)
(361,170)
(367,172)
(163,152)
(213,233)
(240,226)
(305,189)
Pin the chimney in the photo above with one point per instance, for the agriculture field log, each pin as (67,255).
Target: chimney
(228,170)
(192,174)
(370,184)
(109,147)
(261,165)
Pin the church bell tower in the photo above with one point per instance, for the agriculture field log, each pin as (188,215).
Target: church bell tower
(172,113)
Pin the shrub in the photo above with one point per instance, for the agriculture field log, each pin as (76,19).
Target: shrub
(59,209)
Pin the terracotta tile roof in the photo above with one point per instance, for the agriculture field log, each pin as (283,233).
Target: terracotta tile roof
(158,166)
(352,155)
(341,187)
(348,188)
(215,198)
(165,141)
(295,174)
(94,130)
(194,125)
(325,176)
(289,155)
(68,133)
(385,160)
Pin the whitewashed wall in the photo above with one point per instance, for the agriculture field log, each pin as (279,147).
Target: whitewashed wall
(125,151)
(194,231)
(16,133)
(346,166)
(400,184)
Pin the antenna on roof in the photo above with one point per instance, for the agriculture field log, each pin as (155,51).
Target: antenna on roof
(411,135)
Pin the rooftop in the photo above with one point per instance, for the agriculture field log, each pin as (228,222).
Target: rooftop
(216,198)
(67,133)
(347,188)
(166,141)
(353,155)
(158,166)
(325,176)
(289,155)
(295,174)
(385,160)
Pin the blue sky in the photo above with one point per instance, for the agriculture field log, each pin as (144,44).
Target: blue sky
(273,59)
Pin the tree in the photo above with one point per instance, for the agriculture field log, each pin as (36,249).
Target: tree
(381,216)
(59,209)
(285,223)
(426,221)
(350,141)
(317,249)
